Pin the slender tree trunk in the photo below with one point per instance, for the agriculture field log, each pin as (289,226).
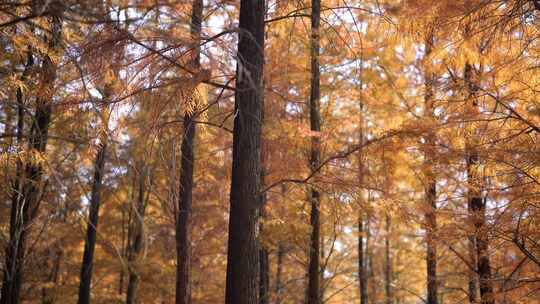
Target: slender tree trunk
(362,273)
(27,202)
(362,265)
(242,285)
(183,222)
(430,181)
(473,275)
(315,126)
(388,264)
(93,218)
(476,203)
(123,254)
(127,231)
(137,238)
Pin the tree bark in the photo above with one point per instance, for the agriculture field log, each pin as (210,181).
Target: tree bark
(264,269)
(313,293)
(183,222)
(242,286)
(430,181)
(26,204)
(93,218)
(137,238)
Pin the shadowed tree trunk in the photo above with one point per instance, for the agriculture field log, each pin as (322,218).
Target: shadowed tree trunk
(25,203)
(183,221)
(264,269)
(93,218)
(313,294)
(264,276)
(430,180)
(136,240)
(476,204)
(242,286)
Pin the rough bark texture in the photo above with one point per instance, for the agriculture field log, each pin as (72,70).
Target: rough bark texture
(264,262)
(136,239)
(183,221)
(93,218)
(26,203)
(242,285)
(430,183)
(264,276)
(313,294)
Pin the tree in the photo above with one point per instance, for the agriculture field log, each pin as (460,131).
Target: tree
(243,244)
(26,204)
(183,220)
(315,158)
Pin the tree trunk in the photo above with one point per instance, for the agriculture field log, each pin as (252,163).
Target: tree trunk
(430,181)
(313,293)
(264,269)
(476,203)
(362,273)
(242,285)
(93,218)
(264,277)
(26,204)
(137,238)
(183,222)
(388,264)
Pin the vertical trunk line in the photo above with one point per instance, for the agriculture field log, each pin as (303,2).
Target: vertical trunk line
(183,222)
(242,283)
(430,179)
(315,126)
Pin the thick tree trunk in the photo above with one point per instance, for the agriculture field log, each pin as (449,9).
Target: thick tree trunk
(264,269)
(93,218)
(430,182)
(26,203)
(242,285)
(264,276)
(388,264)
(183,221)
(313,294)
(137,238)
